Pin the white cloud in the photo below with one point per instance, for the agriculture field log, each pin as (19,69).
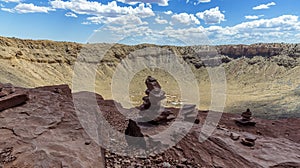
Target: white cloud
(121,20)
(7,10)
(253,17)
(86,23)
(212,16)
(281,22)
(28,8)
(283,28)
(133,2)
(161,21)
(203,1)
(14,1)
(129,30)
(98,9)
(126,20)
(264,30)
(184,18)
(168,12)
(264,6)
(70,14)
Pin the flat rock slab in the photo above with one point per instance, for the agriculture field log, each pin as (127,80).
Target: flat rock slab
(45,132)
(244,123)
(12,100)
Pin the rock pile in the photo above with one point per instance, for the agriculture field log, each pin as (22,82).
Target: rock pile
(10,98)
(151,110)
(246,119)
(153,161)
(6,156)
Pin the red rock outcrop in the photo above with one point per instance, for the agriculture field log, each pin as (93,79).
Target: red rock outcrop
(45,132)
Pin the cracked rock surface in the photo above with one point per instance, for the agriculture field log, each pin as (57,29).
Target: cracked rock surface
(45,132)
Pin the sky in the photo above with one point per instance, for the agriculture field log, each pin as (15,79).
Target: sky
(163,22)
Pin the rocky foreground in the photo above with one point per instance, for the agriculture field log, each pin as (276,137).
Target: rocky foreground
(45,132)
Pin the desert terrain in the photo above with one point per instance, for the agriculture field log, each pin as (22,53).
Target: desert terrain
(47,131)
(263,77)
(61,110)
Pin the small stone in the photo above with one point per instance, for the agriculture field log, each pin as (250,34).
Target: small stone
(117,166)
(183,160)
(247,143)
(147,161)
(166,164)
(152,155)
(250,138)
(258,132)
(180,166)
(234,136)
(126,161)
(87,142)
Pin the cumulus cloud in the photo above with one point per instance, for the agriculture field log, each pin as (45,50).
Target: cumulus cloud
(133,2)
(28,8)
(283,28)
(280,22)
(14,1)
(168,12)
(70,14)
(31,8)
(122,20)
(211,16)
(7,10)
(160,21)
(264,6)
(184,18)
(253,17)
(263,30)
(95,8)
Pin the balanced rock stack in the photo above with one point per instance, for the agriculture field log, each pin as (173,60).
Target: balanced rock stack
(151,110)
(154,95)
(246,119)
(10,98)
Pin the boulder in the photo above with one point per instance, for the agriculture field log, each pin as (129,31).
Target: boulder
(134,136)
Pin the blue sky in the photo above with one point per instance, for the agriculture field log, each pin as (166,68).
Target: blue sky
(178,22)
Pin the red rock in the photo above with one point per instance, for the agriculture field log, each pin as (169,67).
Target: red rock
(12,100)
